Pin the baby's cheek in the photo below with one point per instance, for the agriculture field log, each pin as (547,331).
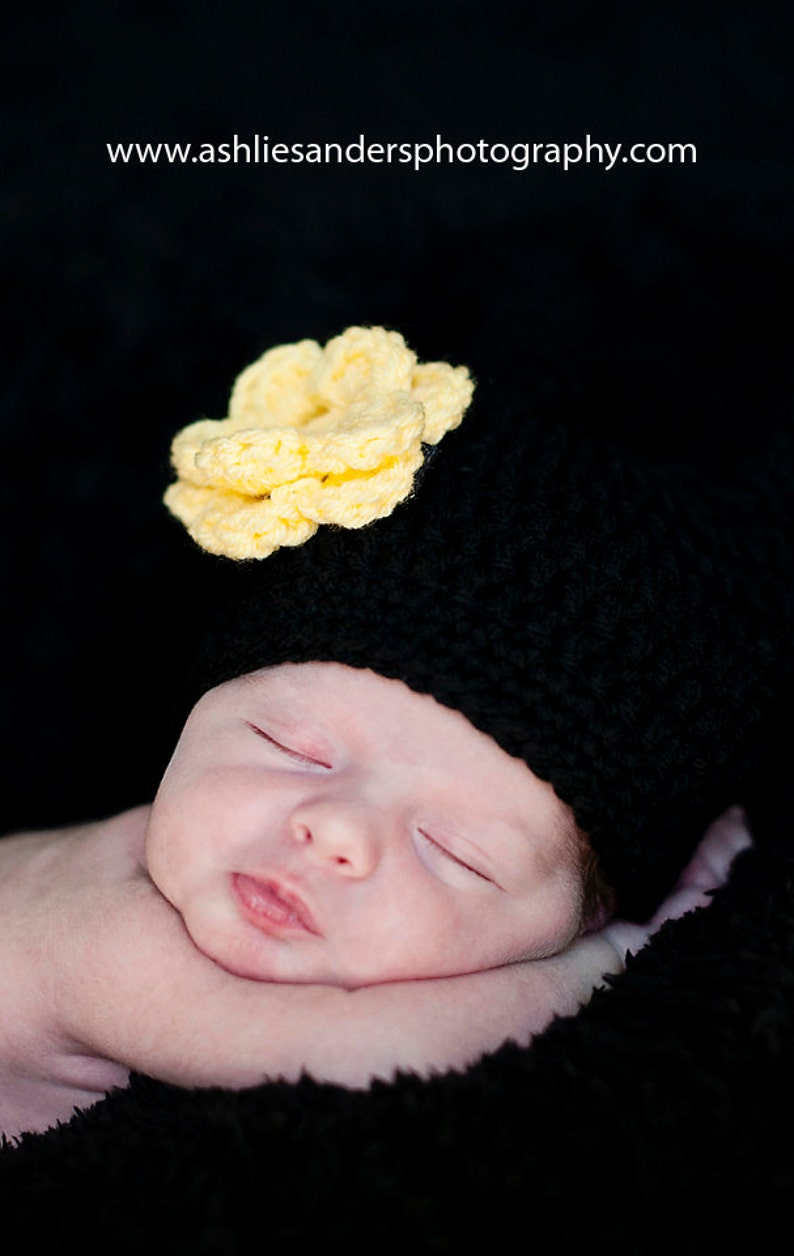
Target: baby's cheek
(163,847)
(183,822)
(553,922)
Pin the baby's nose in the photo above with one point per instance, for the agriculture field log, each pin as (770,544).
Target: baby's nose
(338,836)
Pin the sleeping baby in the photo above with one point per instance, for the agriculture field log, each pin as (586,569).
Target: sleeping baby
(338,876)
(447,756)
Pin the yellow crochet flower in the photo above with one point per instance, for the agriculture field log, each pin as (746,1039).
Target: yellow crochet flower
(314,435)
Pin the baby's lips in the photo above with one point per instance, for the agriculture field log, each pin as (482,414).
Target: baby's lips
(275,901)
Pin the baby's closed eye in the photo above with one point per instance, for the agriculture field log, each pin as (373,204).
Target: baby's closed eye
(297,755)
(443,851)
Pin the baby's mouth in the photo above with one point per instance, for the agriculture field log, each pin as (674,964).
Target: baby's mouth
(272,906)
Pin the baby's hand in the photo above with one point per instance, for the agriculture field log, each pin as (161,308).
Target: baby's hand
(707,870)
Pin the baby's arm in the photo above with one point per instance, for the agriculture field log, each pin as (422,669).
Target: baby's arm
(189,1022)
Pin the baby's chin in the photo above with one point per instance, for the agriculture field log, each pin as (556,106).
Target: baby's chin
(270,960)
(285,966)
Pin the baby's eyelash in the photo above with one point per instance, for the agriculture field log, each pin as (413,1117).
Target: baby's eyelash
(287,750)
(454,858)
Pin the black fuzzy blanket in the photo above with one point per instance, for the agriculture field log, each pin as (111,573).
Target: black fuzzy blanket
(660,1117)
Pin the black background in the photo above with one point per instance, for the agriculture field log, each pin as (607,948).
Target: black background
(647,297)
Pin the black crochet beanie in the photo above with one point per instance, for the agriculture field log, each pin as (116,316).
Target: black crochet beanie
(619,624)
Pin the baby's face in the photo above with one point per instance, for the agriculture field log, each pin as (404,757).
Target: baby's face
(323,824)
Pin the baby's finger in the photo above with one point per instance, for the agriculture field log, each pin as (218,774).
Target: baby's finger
(707,871)
(722,842)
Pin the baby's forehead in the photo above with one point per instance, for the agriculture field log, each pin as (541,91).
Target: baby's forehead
(318,681)
(334,690)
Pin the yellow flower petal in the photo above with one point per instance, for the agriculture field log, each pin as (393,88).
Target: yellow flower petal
(235,526)
(446,393)
(351,500)
(276,390)
(363,361)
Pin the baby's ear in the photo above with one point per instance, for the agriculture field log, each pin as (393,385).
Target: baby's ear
(598,897)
